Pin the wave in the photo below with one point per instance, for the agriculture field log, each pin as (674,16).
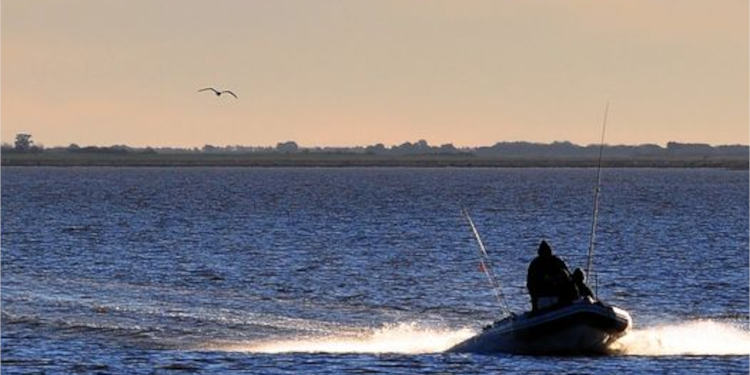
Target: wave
(403,338)
(699,337)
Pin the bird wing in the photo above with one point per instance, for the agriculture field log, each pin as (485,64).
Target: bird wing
(230,93)
(209,88)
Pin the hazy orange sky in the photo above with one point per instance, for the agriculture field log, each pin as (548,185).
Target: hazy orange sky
(360,72)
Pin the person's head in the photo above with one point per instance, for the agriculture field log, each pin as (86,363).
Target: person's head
(544,249)
(578,275)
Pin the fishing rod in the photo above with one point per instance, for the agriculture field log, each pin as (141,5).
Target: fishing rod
(484,263)
(595,214)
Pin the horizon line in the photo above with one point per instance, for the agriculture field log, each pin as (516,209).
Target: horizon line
(4,143)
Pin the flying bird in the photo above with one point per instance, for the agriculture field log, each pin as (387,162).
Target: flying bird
(218,93)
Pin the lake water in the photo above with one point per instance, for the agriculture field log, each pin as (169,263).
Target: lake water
(219,270)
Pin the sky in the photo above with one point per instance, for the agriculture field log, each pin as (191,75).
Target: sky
(352,72)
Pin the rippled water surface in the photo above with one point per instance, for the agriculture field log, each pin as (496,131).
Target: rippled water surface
(216,270)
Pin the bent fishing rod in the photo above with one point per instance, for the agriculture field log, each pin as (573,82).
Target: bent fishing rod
(595,213)
(484,263)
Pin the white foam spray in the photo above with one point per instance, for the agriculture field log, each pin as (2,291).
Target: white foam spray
(698,337)
(405,338)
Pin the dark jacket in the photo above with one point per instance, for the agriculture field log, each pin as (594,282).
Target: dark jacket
(548,276)
(583,289)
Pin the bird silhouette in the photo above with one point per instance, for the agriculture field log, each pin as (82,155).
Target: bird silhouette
(217,92)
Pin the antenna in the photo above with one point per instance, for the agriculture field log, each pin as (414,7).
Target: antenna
(596,196)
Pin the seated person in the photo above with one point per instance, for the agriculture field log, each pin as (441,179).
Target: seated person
(548,280)
(578,280)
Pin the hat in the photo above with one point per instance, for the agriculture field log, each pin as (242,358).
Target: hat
(578,274)
(544,248)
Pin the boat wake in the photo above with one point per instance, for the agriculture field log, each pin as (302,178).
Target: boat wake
(699,337)
(403,338)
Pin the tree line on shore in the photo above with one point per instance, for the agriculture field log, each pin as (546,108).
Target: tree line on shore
(24,144)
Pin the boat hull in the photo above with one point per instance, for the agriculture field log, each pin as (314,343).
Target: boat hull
(584,327)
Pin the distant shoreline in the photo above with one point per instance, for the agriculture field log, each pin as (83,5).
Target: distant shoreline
(352,160)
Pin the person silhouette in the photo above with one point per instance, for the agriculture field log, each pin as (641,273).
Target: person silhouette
(548,280)
(579,280)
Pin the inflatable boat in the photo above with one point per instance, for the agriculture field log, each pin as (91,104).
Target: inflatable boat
(585,326)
